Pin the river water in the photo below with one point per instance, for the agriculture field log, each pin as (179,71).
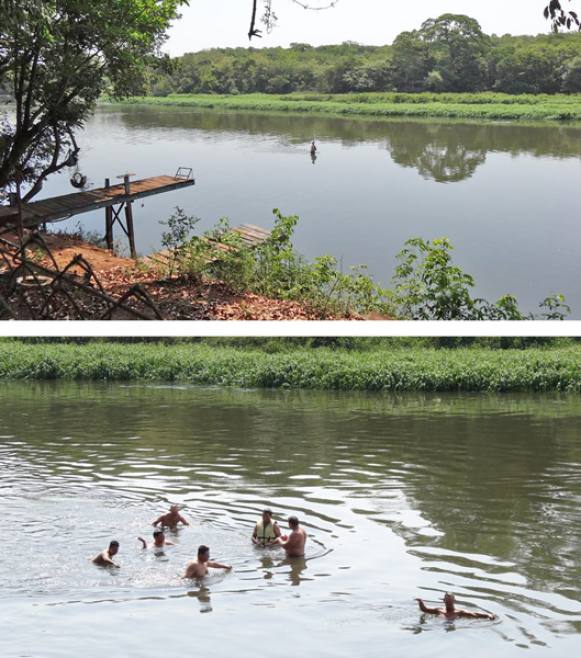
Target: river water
(402,496)
(505,194)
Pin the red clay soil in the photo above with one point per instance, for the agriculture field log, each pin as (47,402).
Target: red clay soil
(179,299)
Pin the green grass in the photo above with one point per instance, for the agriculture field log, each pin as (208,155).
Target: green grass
(483,106)
(382,366)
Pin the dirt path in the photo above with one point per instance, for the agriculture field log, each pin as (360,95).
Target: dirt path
(177,299)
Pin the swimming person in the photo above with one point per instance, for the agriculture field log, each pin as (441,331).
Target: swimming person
(294,544)
(159,540)
(199,568)
(105,558)
(171,519)
(266,531)
(451,612)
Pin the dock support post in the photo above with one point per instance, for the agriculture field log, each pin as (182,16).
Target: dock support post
(108,221)
(129,218)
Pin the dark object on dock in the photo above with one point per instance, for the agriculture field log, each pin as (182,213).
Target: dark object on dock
(78,180)
(113,198)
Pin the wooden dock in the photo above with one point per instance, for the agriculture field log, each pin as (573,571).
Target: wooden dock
(251,236)
(62,207)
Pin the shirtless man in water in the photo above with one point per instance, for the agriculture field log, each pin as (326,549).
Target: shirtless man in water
(199,567)
(105,558)
(159,540)
(293,544)
(171,519)
(451,612)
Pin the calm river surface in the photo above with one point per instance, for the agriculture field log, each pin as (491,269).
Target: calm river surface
(402,497)
(505,194)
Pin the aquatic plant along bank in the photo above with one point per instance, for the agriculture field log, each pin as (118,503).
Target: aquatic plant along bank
(487,106)
(384,367)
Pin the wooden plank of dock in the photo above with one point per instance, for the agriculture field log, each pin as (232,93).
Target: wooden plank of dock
(251,236)
(69,205)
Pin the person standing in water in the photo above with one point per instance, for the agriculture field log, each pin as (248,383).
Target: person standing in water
(171,519)
(451,612)
(313,151)
(105,558)
(198,568)
(159,540)
(294,544)
(266,531)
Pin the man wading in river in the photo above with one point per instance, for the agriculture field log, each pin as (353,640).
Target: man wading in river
(294,544)
(199,567)
(171,519)
(159,540)
(105,558)
(451,612)
(266,531)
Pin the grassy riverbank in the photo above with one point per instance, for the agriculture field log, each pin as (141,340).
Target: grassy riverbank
(373,366)
(477,106)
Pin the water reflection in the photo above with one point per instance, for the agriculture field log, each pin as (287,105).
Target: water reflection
(297,566)
(203,597)
(446,152)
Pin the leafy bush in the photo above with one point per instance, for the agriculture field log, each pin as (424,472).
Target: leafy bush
(429,287)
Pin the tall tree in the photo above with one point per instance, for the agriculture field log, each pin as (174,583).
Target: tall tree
(458,48)
(411,61)
(56,58)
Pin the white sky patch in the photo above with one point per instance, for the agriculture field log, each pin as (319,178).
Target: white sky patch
(224,23)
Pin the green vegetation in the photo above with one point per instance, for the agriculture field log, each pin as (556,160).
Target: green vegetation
(56,59)
(484,106)
(426,283)
(380,365)
(446,54)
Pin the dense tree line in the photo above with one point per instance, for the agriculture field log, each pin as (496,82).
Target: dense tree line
(449,53)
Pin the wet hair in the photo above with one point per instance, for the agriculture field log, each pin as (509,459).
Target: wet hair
(267,511)
(203,549)
(293,521)
(158,532)
(114,543)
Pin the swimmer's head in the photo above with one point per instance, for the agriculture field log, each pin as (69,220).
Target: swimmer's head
(293,522)
(266,515)
(158,534)
(174,509)
(203,553)
(113,547)
(449,601)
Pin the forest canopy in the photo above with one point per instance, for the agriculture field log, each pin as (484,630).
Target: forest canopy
(450,53)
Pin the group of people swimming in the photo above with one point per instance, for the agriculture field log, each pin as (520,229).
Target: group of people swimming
(266,533)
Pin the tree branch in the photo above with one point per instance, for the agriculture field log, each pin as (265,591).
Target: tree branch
(253,32)
(269,17)
(52,168)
